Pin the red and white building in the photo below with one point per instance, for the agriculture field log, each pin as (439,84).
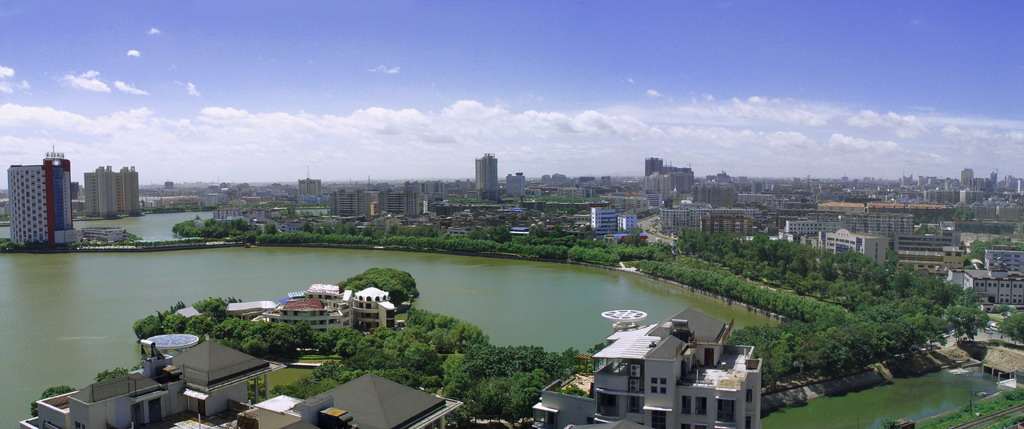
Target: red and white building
(40,201)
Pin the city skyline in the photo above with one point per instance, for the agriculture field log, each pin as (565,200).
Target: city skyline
(257,93)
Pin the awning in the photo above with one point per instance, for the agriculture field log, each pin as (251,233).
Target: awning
(198,395)
(541,407)
(653,408)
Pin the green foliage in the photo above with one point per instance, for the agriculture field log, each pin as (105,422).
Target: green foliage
(978,247)
(399,284)
(110,374)
(966,321)
(1013,327)
(50,392)
(147,327)
(967,412)
(888,423)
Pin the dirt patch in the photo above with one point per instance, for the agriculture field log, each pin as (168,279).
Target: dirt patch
(1004,359)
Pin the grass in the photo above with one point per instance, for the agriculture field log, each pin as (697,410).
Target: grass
(318,358)
(287,376)
(983,408)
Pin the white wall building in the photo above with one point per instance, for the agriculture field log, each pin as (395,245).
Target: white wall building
(627,223)
(1011,259)
(603,221)
(373,309)
(845,241)
(994,287)
(39,202)
(677,373)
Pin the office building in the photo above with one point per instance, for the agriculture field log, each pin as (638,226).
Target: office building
(994,286)
(515,185)
(677,373)
(350,203)
(846,241)
(966,178)
(108,193)
(603,221)
(487,177)
(627,223)
(39,201)
(1008,258)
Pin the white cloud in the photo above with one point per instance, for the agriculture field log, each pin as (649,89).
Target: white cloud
(128,88)
(87,81)
(905,126)
(134,53)
(630,80)
(191,88)
(652,93)
(153,30)
(383,69)
(8,86)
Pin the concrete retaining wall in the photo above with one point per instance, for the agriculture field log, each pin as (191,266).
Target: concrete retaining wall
(800,395)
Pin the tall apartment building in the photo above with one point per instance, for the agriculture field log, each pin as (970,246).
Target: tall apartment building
(966,177)
(39,201)
(350,203)
(717,223)
(716,194)
(487,177)
(515,185)
(653,165)
(688,216)
(309,186)
(674,374)
(108,193)
(399,202)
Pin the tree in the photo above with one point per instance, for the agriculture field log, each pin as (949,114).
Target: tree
(174,323)
(110,374)
(51,392)
(270,228)
(1013,327)
(199,326)
(147,327)
(966,321)
(888,423)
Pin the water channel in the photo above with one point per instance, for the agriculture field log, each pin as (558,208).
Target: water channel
(68,316)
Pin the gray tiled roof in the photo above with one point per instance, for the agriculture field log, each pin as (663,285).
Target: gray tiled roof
(120,386)
(216,361)
(378,403)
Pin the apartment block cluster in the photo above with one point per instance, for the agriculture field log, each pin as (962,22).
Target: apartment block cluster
(42,199)
(677,373)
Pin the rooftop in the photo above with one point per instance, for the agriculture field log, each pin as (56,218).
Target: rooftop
(324,288)
(303,305)
(378,403)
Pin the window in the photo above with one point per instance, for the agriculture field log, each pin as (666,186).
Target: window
(684,426)
(725,410)
(701,406)
(684,405)
(658,385)
(634,404)
(746,421)
(658,419)
(750,395)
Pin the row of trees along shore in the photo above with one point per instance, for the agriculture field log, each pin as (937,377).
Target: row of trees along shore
(540,244)
(846,311)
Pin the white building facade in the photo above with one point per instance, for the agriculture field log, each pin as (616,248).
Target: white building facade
(39,202)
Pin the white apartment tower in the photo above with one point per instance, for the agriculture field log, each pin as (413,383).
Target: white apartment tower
(40,201)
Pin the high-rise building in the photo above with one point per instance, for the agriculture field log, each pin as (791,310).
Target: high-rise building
(487,177)
(716,194)
(653,165)
(515,185)
(350,203)
(108,193)
(966,177)
(399,202)
(603,221)
(40,201)
(309,186)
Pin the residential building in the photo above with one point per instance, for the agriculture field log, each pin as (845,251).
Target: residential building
(249,310)
(202,381)
(810,227)
(970,196)
(108,193)
(1004,257)
(110,234)
(994,286)
(311,311)
(716,194)
(373,309)
(848,208)
(368,402)
(399,202)
(883,224)
(603,221)
(515,185)
(689,215)
(732,223)
(925,242)
(39,201)
(845,241)
(966,177)
(677,373)
(487,177)
(309,186)
(653,165)
(350,203)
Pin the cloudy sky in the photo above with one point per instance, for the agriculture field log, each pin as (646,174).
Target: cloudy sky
(257,91)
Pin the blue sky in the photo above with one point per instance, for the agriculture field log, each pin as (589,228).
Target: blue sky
(256,91)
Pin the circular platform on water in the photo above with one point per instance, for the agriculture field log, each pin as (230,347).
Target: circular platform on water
(624,315)
(174,341)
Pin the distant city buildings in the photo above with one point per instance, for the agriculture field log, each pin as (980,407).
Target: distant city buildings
(845,241)
(515,185)
(487,178)
(39,203)
(309,187)
(109,193)
(350,203)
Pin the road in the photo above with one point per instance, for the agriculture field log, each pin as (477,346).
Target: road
(652,227)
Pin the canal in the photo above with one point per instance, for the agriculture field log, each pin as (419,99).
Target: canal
(68,316)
